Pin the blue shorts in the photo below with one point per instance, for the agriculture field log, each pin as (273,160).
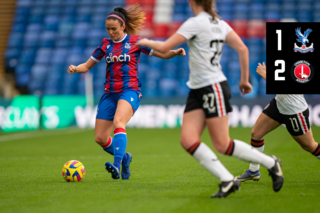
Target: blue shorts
(108,103)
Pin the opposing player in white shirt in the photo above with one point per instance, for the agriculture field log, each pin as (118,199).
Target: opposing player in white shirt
(291,110)
(208,101)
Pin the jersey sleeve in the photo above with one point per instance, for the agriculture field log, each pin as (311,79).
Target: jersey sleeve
(98,54)
(146,50)
(189,28)
(227,27)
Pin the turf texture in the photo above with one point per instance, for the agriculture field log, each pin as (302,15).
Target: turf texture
(165,178)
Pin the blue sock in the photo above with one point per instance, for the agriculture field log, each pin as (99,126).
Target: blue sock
(119,146)
(109,146)
(124,159)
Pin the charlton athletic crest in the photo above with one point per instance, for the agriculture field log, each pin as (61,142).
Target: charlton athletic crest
(302,71)
(303,38)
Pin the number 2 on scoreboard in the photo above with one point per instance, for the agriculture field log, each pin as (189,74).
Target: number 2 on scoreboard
(281,70)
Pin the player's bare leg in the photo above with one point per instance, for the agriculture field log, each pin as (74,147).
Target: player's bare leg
(263,126)
(193,124)
(123,114)
(102,131)
(307,142)
(192,128)
(219,133)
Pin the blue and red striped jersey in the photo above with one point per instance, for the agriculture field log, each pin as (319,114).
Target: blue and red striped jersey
(122,59)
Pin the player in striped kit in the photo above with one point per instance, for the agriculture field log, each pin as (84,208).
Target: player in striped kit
(208,101)
(122,85)
(291,110)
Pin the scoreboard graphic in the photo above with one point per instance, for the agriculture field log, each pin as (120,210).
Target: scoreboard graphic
(293,58)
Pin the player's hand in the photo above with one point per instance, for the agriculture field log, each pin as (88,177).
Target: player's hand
(180,51)
(72,69)
(245,87)
(261,69)
(143,42)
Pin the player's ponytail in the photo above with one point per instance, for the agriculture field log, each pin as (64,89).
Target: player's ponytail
(132,18)
(208,6)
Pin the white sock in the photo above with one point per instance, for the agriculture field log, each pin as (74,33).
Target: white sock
(256,166)
(245,152)
(209,160)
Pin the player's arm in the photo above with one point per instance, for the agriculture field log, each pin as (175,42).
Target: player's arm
(235,42)
(82,68)
(163,46)
(261,70)
(170,53)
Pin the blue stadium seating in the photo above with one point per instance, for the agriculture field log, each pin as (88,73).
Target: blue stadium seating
(49,35)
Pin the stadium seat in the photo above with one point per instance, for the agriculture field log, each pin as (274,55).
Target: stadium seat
(47,39)
(289,14)
(22,11)
(24,3)
(53,10)
(272,16)
(55,2)
(288,6)
(160,30)
(304,6)
(70,2)
(273,6)
(37,79)
(40,2)
(256,28)
(31,39)
(19,28)
(43,56)
(19,19)
(240,27)
(167,87)
(305,17)
(27,56)
(12,53)
(35,18)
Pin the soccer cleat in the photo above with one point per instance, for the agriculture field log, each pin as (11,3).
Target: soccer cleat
(125,171)
(276,174)
(249,175)
(226,188)
(113,170)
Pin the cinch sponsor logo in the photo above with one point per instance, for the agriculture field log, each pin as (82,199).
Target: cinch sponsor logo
(113,58)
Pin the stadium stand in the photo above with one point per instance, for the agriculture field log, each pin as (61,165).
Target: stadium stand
(49,35)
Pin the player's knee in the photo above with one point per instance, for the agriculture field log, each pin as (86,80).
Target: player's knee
(99,140)
(256,135)
(221,146)
(118,122)
(186,142)
(306,147)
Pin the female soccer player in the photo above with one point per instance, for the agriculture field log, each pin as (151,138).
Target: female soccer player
(291,110)
(208,101)
(122,86)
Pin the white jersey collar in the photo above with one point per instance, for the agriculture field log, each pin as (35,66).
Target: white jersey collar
(203,13)
(125,35)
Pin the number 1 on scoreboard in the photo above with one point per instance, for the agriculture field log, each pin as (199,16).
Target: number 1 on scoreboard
(279,39)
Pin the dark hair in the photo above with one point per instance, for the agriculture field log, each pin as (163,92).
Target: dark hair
(132,17)
(208,6)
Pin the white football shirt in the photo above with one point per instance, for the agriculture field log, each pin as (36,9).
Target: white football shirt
(291,104)
(205,40)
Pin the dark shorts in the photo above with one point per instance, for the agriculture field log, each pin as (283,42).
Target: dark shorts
(297,124)
(213,99)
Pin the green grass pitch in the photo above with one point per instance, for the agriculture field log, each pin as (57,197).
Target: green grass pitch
(165,178)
